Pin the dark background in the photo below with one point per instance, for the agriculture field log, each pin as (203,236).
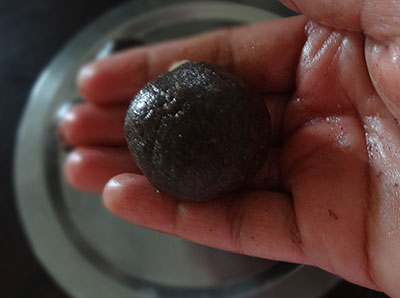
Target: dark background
(31,33)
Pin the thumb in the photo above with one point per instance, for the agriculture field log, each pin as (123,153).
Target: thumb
(376,18)
(334,13)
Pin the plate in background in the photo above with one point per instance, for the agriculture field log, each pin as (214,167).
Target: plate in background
(90,252)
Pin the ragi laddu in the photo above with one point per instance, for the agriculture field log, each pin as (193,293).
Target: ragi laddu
(198,132)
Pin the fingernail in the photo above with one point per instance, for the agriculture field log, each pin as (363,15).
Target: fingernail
(116,184)
(291,4)
(64,117)
(86,72)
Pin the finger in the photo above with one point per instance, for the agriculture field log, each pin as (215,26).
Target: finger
(377,18)
(257,223)
(89,169)
(88,125)
(265,55)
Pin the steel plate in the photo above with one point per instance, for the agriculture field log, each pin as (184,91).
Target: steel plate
(88,251)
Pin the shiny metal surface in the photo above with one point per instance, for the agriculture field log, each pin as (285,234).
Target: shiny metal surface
(90,252)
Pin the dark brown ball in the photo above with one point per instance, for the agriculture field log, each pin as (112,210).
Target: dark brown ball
(197,132)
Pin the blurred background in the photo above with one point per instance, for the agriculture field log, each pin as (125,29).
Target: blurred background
(31,33)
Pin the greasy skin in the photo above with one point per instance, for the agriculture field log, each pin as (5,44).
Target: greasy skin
(337,140)
(179,126)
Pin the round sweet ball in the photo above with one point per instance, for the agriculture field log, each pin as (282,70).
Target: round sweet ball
(198,132)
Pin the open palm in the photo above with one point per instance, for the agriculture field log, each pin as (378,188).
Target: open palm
(335,103)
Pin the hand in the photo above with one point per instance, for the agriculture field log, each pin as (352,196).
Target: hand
(332,86)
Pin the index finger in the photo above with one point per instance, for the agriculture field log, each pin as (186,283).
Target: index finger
(251,222)
(264,55)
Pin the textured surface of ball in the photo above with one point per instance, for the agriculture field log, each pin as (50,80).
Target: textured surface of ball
(197,132)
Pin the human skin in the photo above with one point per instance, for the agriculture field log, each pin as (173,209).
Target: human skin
(330,79)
